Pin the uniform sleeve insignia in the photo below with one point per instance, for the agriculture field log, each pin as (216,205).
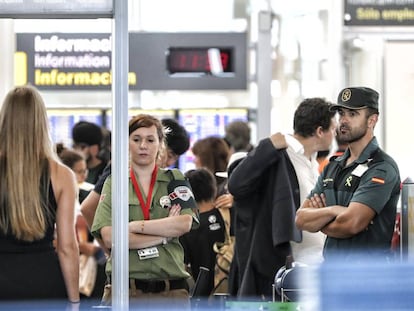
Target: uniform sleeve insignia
(378,180)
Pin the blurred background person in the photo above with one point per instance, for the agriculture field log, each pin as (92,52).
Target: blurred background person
(323,158)
(231,220)
(238,136)
(89,205)
(198,244)
(37,194)
(76,161)
(105,150)
(213,153)
(87,138)
(87,244)
(177,142)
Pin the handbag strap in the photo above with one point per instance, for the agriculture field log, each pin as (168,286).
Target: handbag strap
(225,214)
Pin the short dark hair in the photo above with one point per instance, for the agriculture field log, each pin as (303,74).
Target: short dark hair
(88,133)
(177,138)
(202,183)
(237,134)
(310,114)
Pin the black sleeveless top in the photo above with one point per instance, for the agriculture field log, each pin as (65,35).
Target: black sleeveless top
(28,264)
(9,243)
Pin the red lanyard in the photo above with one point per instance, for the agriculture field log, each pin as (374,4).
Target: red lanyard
(145,206)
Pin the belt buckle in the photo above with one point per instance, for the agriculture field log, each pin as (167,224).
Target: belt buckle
(155,286)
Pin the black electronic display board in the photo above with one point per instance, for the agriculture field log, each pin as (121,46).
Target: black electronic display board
(157,61)
(209,60)
(189,61)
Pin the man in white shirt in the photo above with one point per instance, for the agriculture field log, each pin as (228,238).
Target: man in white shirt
(268,186)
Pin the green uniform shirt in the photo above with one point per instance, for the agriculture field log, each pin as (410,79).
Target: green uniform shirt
(170,263)
(374,180)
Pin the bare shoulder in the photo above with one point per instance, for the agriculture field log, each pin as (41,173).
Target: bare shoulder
(61,176)
(60,170)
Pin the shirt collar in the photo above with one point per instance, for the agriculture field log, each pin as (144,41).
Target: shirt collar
(296,146)
(162,174)
(369,149)
(364,156)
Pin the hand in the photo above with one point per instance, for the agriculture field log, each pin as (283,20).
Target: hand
(224,201)
(88,248)
(278,141)
(318,200)
(175,210)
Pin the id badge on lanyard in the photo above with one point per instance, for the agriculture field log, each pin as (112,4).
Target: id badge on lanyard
(147,253)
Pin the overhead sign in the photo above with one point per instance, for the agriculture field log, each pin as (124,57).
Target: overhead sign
(189,61)
(379,12)
(56,8)
(157,61)
(65,61)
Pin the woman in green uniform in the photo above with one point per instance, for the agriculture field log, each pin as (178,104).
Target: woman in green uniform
(156,258)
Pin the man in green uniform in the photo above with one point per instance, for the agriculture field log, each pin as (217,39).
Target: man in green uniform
(355,198)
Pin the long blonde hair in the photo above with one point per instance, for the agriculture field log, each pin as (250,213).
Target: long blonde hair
(25,148)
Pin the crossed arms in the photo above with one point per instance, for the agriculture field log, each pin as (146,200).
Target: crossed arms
(146,233)
(335,221)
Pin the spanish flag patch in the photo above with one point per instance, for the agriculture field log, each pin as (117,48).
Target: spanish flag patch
(378,180)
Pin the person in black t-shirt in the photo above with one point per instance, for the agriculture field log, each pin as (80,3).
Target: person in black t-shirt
(198,244)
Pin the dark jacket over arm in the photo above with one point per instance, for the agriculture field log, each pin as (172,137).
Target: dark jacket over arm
(266,196)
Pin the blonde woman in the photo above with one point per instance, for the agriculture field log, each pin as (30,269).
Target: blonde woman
(37,195)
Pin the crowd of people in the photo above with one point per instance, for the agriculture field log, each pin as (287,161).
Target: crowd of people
(265,203)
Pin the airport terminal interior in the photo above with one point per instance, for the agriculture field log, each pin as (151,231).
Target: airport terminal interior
(270,55)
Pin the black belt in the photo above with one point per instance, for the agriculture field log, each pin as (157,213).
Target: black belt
(158,286)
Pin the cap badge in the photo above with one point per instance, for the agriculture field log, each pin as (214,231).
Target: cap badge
(346,95)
